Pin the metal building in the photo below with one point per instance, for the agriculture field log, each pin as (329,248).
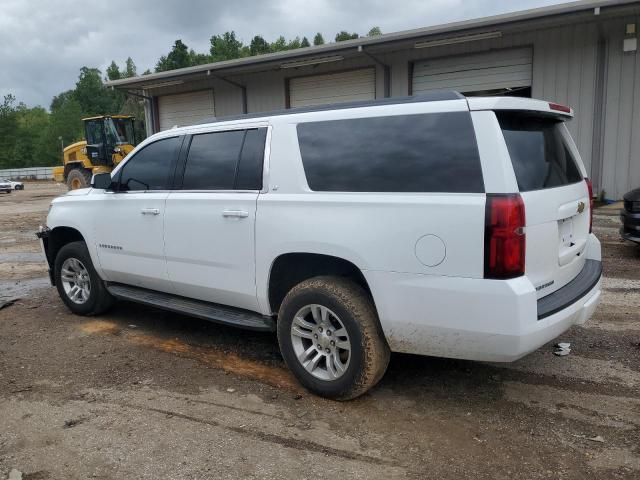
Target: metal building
(583,54)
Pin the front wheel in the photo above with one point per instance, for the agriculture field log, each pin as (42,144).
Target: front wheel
(78,284)
(330,337)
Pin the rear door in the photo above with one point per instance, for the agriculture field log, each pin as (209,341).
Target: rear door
(210,221)
(551,179)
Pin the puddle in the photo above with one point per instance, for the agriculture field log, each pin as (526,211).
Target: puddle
(227,361)
(15,289)
(22,257)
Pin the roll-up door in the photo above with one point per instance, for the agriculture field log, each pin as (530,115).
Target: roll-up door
(496,70)
(185,108)
(333,88)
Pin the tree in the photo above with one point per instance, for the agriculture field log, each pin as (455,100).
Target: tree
(305,42)
(344,35)
(258,45)
(8,130)
(33,125)
(147,72)
(279,45)
(375,31)
(178,57)
(293,44)
(113,71)
(225,47)
(93,97)
(318,39)
(130,68)
(198,58)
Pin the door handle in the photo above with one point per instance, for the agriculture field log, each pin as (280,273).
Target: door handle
(150,211)
(235,213)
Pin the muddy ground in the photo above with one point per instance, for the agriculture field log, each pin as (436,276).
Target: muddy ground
(140,393)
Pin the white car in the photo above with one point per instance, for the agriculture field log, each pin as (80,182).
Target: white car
(5,186)
(12,184)
(438,225)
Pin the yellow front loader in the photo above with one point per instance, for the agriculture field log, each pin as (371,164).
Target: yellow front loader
(108,139)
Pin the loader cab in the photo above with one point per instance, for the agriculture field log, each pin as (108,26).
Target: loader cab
(109,138)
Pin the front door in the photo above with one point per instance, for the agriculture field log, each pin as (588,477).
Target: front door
(210,221)
(129,229)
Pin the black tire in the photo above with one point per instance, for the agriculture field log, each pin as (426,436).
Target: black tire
(354,307)
(78,178)
(99,300)
(20,187)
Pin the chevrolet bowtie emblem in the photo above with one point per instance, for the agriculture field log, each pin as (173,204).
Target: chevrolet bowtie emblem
(580,207)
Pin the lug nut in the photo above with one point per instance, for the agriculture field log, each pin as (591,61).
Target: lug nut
(329,333)
(319,347)
(333,344)
(320,329)
(328,351)
(315,335)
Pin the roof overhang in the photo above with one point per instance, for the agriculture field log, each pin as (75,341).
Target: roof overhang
(455,32)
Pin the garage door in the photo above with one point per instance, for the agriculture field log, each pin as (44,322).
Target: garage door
(185,108)
(333,88)
(475,73)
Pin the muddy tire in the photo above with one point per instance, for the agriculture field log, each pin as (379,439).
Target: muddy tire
(78,178)
(331,339)
(78,284)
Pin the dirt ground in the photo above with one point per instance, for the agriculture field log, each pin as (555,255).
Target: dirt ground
(141,393)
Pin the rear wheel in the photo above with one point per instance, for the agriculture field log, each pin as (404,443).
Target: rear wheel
(78,178)
(330,337)
(78,284)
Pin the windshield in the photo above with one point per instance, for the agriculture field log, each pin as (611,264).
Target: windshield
(94,132)
(119,131)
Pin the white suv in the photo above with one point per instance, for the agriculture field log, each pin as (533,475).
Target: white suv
(438,225)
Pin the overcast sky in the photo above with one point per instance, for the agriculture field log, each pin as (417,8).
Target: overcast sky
(43,43)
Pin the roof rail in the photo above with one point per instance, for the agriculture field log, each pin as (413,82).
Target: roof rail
(433,96)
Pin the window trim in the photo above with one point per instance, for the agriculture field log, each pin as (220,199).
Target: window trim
(172,167)
(186,145)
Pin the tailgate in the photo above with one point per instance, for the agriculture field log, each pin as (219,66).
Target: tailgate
(550,177)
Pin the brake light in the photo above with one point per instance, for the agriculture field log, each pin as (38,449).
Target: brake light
(504,236)
(590,188)
(559,107)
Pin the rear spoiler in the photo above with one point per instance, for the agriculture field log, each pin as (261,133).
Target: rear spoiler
(521,104)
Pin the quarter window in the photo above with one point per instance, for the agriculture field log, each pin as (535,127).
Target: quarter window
(407,153)
(151,167)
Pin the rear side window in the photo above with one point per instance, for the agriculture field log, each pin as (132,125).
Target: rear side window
(540,156)
(225,161)
(433,152)
(151,167)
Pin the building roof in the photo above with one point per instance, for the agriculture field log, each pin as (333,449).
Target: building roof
(241,64)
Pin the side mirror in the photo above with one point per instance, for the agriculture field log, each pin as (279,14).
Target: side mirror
(101,181)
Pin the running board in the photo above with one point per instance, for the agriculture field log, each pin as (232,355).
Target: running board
(194,308)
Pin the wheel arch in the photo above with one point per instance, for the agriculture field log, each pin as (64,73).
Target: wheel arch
(289,269)
(57,238)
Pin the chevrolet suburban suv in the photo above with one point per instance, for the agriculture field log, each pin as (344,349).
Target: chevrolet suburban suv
(436,225)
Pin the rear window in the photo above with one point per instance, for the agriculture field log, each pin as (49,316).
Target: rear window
(434,152)
(540,156)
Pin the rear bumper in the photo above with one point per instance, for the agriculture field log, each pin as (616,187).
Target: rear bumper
(475,319)
(630,229)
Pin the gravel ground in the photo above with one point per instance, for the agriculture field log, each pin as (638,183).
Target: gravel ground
(141,393)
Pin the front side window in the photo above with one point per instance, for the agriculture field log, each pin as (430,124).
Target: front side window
(433,152)
(539,153)
(151,167)
(225,160)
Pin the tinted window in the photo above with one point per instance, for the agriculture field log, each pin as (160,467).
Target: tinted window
(249,175)
(539,153)
(151,167)
(225,160)
(409,153)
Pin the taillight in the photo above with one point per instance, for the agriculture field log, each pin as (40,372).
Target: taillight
(504,236)
(590,188)
(559,107)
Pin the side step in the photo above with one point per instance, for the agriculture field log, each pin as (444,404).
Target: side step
(195,308)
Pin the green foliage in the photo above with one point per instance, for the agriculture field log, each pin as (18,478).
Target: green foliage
(258,46)
(279,45)
(178,57)
(225,47)
(305,42)
(375,31)
(130,68)
(318,39)
(8,130)
(113,71)
(344,35)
